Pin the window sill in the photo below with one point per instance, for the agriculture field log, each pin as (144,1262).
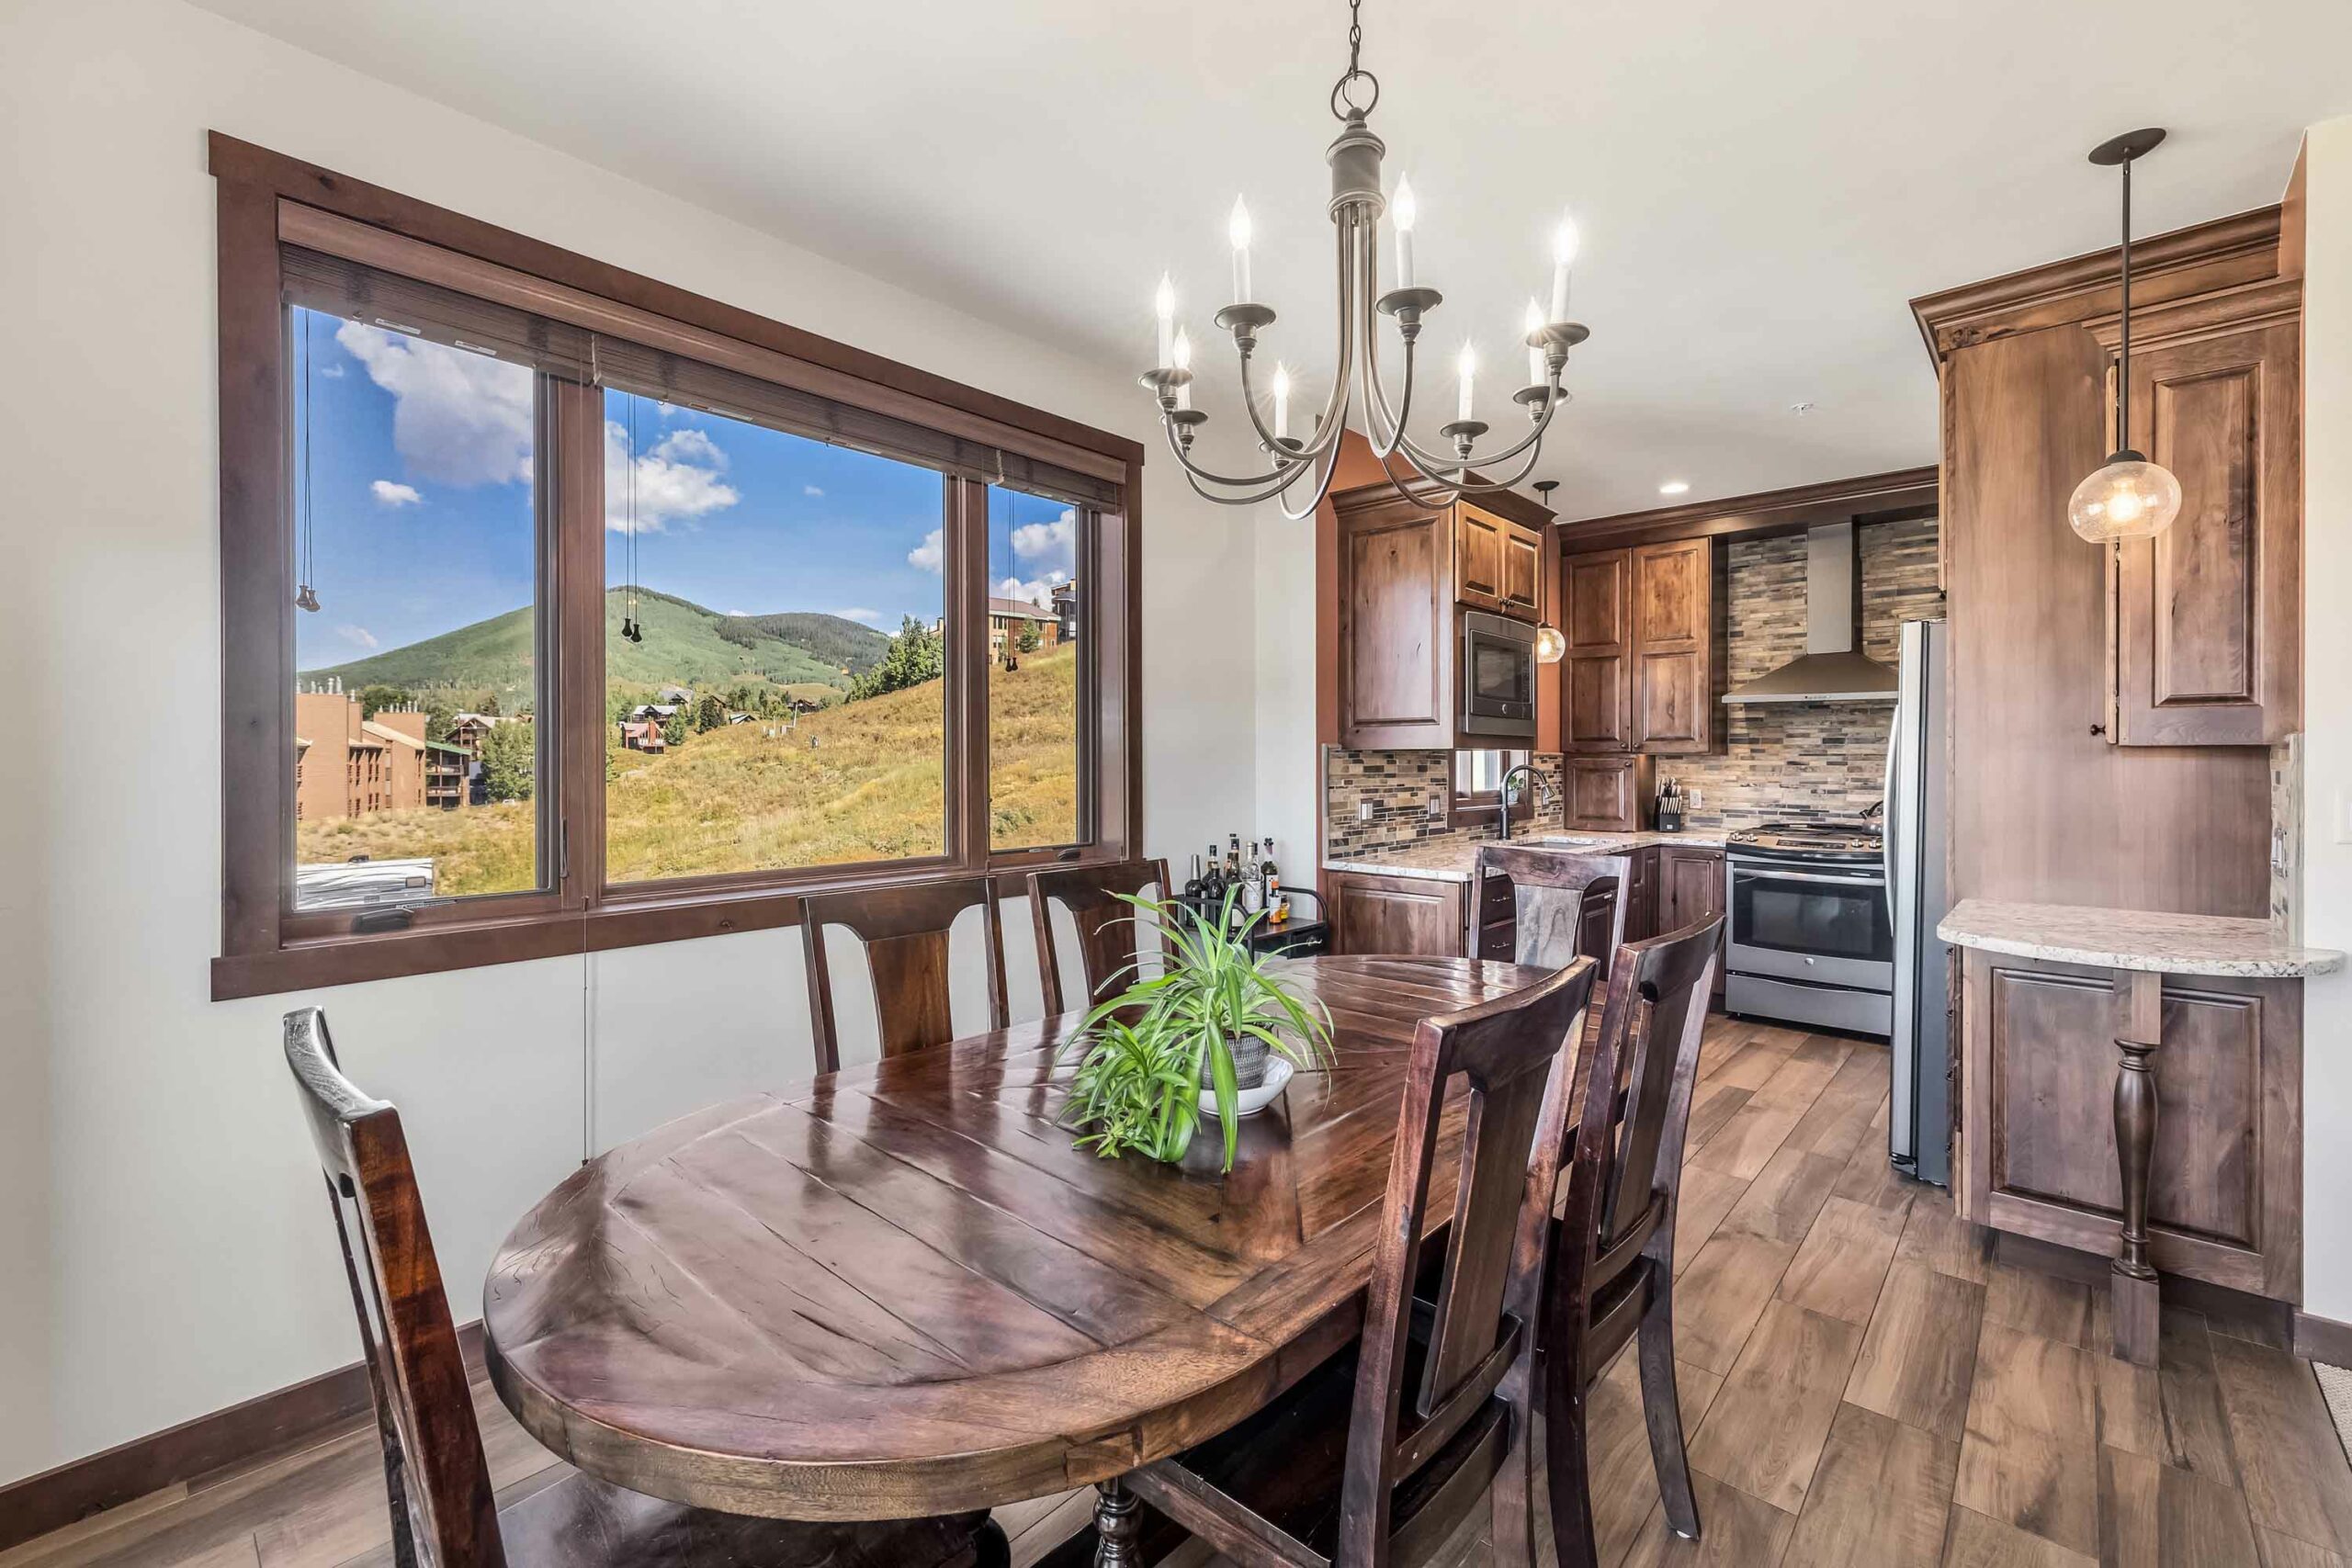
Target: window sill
(621,921)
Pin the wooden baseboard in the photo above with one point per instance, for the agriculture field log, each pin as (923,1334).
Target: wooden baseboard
(2323,1339)
(279,1421)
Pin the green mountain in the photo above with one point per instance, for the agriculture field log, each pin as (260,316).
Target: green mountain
(684,643)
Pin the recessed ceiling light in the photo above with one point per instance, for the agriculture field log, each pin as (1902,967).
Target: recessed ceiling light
(1674,486)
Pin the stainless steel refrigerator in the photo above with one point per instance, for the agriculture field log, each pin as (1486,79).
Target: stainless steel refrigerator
(1918,1128)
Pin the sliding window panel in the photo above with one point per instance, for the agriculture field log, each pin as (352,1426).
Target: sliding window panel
(1040,674)
(419,463)
(775,628)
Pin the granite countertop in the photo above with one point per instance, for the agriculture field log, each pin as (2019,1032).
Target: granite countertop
(2134,939)
(1453,861)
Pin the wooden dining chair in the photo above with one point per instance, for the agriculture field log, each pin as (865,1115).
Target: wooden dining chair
(1110,938)
(1599,883)
(1612,1264)
(1443,1386)
(905,932)
(435,1474)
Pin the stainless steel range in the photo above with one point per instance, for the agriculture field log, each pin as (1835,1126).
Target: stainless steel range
(1810,938)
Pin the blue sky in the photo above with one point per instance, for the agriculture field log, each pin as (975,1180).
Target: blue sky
(420,493)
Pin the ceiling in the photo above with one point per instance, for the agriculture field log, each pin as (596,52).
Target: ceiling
(1760,188)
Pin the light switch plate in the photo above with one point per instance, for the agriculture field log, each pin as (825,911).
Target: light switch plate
(1364,811)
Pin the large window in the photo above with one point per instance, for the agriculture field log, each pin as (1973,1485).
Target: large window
(565,611)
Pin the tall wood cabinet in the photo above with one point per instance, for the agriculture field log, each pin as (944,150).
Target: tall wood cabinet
(1639,676)
(1405,576)
(2204,620)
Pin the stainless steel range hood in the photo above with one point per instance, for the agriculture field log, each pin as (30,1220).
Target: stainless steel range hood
(1834,669)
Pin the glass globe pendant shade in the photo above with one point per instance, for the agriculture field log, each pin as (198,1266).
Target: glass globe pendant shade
(2130,497)
(1550,645)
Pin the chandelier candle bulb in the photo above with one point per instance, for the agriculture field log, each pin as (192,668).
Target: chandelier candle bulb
(1468,368)
(1163,305)
(1536,373)
(1236,229)
(1282,403)
(1404,210)
(1564,251)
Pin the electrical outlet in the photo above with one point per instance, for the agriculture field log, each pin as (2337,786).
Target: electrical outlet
(1437,807)
(1364,811)
(1698,797)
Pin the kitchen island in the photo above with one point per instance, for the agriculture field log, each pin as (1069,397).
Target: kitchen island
(1418,898)
(2131,1085)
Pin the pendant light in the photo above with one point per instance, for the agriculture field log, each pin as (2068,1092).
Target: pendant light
(1550,645)
(2129,498)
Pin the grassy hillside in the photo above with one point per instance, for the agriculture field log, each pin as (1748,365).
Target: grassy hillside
(870,788)
(684,643)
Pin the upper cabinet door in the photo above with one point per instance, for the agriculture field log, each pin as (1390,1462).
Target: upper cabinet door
(1396,629)
(2205,616)
(1479,565)
(1523,571)
(1596,673)
(1673,600)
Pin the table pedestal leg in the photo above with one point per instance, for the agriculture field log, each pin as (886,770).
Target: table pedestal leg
(1116,1527)
(2134,1278)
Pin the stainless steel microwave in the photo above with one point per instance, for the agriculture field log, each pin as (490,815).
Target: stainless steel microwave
(1497,677)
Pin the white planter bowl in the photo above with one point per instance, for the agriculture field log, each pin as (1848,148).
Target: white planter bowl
(1251,1100)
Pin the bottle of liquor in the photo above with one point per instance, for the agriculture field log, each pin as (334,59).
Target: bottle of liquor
(1213,883)
(1193,884)
(1271,877)
(1253,880)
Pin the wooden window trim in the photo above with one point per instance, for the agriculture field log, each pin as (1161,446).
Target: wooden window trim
(1475,808)
(261,197)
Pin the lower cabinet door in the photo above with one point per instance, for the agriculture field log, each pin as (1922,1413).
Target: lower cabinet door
(1396,915)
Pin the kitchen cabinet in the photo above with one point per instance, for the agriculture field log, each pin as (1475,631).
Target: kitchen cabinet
(1405,575)
(1414,915)
(1690,889)
(1597,620)
(2037,1150)
(1606,793)
(1639,672)
(1673,697)
(1497,562)
(2204,619)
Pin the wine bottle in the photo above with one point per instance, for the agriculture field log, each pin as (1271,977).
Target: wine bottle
(1271,877)
(1253,880)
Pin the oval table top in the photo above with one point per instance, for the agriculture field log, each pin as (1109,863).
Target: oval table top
(902,1290)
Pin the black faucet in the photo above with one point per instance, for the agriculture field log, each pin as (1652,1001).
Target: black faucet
(1502,797)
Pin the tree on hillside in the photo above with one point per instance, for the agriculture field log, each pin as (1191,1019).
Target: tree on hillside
(374,699)
(507,755)
(673,732)
(916,655)
(709,714)
(489,708)
(1026,642)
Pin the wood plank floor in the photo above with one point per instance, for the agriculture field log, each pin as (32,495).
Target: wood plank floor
(1864,1386)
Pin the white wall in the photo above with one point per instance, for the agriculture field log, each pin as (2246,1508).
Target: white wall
(1289,781)
(2328,715)
(163,1250)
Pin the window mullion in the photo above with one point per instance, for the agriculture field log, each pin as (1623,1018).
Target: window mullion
(967,671)
(577,605)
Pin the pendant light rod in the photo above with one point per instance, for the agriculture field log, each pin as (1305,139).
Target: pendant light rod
(2121,151)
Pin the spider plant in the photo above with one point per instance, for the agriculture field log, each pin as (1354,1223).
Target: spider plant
(1148,1048)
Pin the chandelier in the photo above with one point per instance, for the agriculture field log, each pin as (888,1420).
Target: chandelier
(1429,478)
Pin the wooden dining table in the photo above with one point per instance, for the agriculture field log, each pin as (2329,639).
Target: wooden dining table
(902,1289)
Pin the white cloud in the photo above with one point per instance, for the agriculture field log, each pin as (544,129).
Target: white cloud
(331,373)
(1038,591)
(457,418)
(871,617)
(678,478)
(811,490)
(390,494)
(1035,541)
(931,554)
(359,635)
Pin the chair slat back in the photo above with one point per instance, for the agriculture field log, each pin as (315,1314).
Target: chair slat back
(435,1472)
(905,930)
(1110,939)
(1514,1056)
(1598,882)
(1627,1167)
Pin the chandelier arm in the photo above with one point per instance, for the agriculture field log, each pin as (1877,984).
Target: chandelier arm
(1455,488)
(1283,474)
(1327,428)
(1266,492)
(1322,488)
(1332,420)
(1375,394)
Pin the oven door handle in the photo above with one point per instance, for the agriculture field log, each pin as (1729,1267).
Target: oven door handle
(1866,881)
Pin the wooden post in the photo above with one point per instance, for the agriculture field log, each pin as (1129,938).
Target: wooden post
(2138,995)
(1117,1529)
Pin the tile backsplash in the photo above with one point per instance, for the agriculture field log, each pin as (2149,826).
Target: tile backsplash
(1400,787)
(1780,762)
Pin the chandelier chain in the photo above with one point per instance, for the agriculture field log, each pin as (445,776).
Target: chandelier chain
(1343,105)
